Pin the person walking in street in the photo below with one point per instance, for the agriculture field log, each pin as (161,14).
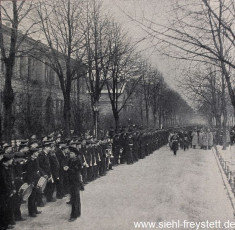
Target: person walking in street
(175,143)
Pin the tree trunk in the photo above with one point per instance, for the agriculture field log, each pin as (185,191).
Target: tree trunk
(155,120)
(147,115)
(94,122)
(78,129)
(218,121)
(225,130)
(160,118)
(141,113)
(224,112)
(116,118)
(8,99)
(67,115)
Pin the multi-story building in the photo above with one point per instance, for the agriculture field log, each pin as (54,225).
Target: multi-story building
(38,104)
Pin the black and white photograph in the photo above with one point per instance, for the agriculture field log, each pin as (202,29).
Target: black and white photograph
(117,114)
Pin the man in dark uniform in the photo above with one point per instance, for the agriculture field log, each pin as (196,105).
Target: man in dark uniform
(7,192)
(143,144)
(89,160)
(55,170)
(32,176)
(45,168)
(18,165)
(125,148)
(74,174)
(101,158)
(98,154)
(129,149)
(84,162)
(95,159)
(116,149)
(175,143)
(63,158)
(135,147)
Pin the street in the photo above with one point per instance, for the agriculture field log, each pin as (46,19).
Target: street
(161,187)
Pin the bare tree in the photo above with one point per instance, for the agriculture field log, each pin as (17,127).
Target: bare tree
(157,85)
(96,28)
(199,31)
(123,72)
(60,24)
(13,14)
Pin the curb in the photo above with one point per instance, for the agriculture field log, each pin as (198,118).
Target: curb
(227,177)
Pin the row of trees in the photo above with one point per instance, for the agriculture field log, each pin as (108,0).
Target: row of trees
(201,34)
(159,105)
(79,40)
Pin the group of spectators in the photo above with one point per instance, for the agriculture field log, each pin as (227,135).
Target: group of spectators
(203,137)
(191,137)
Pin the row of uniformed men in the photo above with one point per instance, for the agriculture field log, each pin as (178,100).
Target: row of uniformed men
(50,160)
(130,147)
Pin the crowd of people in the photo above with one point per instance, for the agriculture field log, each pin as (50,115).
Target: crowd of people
(203,138)
(39,171)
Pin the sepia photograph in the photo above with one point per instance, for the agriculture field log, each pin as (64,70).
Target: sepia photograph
(117,114)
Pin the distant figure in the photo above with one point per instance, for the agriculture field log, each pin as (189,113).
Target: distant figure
(194,138)
(204,140)
(210,139)
(175,143)
(169,139)
(185,141)
(232,135)
(200,138)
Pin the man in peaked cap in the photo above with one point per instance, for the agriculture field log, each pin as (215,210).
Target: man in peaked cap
(84,162)
(7,192)
(45,168)
(35,144)
(88,156)
(129,149)
(75,184)
(55,169)
(32,176)
(63,158)
(18,167)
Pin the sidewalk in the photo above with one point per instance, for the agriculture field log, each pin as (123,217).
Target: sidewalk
(228,155)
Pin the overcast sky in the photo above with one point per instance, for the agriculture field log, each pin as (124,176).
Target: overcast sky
(157,10)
